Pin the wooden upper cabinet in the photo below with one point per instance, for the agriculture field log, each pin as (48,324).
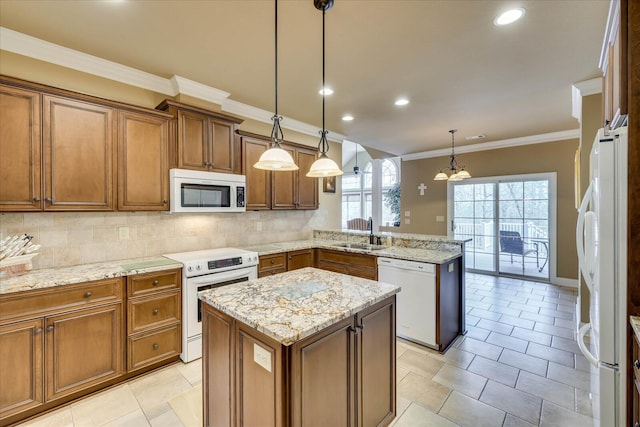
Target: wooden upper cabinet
(20,150)
(204,140)
(307,191)
(143,162)
(284,188)
(79,155)
(615,66)
(258,191)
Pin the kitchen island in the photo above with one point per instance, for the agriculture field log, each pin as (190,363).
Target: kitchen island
(306,347)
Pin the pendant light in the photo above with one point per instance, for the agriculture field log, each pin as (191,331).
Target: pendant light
(456,175)
(324,166)
(275,158)
(356,168)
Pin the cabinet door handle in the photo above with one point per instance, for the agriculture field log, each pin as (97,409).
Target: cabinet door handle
(354,330)
(38,331)
(290,258)
(273,261)
(637,364)
(164,202)
(36,199)
(156,311)
(48,199)
(50,328)
(155,283)
(87,294)
(156,346)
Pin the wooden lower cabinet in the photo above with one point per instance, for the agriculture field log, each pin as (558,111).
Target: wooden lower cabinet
(343,375)
(299,259)
(354,264)
(284,261)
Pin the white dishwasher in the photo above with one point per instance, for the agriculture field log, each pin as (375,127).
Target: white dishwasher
(416,302)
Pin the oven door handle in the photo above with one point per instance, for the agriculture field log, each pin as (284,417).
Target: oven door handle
(221,277)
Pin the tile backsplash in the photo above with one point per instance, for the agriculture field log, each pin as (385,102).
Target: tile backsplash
(71,238)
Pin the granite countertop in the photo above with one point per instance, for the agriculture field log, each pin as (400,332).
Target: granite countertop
(51,277)
(635,324)
(431,256)
(291,306)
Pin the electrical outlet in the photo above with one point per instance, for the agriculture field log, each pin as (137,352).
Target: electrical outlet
(259,226)
(407,221)
(262,357)
(407,213)
(439,218)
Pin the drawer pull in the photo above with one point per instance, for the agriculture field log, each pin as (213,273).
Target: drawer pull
(50,328)
(156,346)
(87,294)
(156,311)
(273,261)
(155,283)
(637,364)
(38,331)
(36,199)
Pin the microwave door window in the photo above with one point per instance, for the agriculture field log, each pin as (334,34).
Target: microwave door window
(211,196)
(190,195)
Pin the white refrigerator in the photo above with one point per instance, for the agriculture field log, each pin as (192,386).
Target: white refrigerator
(601,238)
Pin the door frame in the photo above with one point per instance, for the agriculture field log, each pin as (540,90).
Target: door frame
(553,215)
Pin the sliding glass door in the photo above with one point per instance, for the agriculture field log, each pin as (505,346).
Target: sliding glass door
(509,221)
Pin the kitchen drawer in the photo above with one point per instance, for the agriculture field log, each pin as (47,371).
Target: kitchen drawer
(271,272)
(145,284)
(150,347)
(153,311)
(346,258)
(272,262)
(66,297)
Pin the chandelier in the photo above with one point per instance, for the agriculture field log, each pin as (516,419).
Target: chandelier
(456,175)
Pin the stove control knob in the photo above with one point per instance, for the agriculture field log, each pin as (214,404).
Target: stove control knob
(198,267)
(190,268)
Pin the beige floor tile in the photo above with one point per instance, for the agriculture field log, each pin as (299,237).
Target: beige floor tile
(60,418)
(417,416)
(512,421)
(167,419)
(135,418)
(419,363)
(188,406)
(401,373)
(481,348)
(554,330)
(522,361)
(558,393)
(192,371)
(521,404)
(573,377)
(529,335)
(422,390)
(566,344)
(402,404)
(516,321)
(460,380)
(507,342)
(468,412)
(477,333)
(154,391)
(104,407)
(556,416)
(454,356)
(551,354)
(496,371)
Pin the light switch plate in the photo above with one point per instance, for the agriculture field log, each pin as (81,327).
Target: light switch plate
(407,213)
(439,218)
(262,357)
(407,221)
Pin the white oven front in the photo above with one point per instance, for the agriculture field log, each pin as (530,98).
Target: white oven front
(192,306)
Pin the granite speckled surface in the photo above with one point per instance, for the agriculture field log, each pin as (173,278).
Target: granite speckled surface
(291,306)
(51,277)
(635,324)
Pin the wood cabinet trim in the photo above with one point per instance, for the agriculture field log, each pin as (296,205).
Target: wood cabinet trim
(167,103)
(267,139)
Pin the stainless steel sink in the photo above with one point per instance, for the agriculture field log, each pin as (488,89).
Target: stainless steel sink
(361,246)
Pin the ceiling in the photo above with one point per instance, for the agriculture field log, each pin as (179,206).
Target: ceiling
(457,68)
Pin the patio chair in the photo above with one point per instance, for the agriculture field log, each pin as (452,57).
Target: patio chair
(358,224)
(512,243)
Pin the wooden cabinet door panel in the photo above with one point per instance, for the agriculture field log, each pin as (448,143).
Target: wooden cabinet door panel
(323,377)
(376,362)
(153,346)
(222,146)
(307,191)
(153,311)
(258,191)
(83,348)
(192,140)
(21,366)
(79,155)
(283,186)
(299,259)
(143,164)
(20,150)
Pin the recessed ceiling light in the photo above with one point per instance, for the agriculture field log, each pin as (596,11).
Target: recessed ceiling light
(509,17)
(326,91)
(469,138)
(401,101)
(347,117)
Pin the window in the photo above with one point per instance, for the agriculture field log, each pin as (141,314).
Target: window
(390,201)
(356,195)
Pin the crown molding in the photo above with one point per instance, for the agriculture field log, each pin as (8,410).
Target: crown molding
(581,89)
(22,44)
(494,145)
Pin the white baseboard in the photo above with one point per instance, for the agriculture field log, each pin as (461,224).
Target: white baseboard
(563,281)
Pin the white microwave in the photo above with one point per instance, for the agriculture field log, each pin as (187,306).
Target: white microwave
(198,191)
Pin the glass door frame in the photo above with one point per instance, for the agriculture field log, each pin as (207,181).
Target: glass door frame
(553,216)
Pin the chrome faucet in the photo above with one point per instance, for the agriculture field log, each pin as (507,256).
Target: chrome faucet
(370,227)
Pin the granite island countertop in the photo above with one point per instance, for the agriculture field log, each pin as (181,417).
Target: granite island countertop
(51,277)
(294,305)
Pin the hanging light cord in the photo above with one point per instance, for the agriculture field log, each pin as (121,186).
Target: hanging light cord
(452,162)
(276,133)
(323,145)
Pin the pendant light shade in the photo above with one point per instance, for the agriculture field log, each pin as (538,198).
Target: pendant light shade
(324,166)
(456,175)
(275,158)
